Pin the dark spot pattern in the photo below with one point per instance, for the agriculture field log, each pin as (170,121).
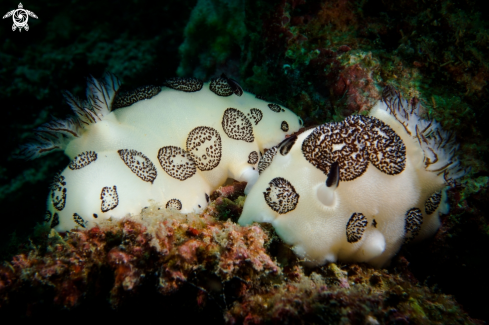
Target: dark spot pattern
(253,158)
(139,164)
(188,85)
(355,227)
(47,216)
(130,97)
(374,223)
(82,160)
(354,143)
(204,145)
(255,115)
(176,162)
(110,198)
(95,215)
(207,198)
(385,148)
(266,159)
(79,220)
(414,220)
(237,126)
(281,196)
(55,220)
(286,145)
(58,192)
(284,126)
(174,204)
(336,142)
(276,108)
(221,87)
(432,203)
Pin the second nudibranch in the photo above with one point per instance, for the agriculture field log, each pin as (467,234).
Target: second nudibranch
(357,190)
(172,144)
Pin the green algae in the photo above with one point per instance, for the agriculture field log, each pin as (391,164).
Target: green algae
(439,55)
(214,31)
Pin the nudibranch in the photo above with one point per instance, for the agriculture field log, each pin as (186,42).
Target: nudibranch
(173,144)
(357,190)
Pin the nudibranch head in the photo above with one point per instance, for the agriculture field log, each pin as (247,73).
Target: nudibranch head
(358,189)
(173,145)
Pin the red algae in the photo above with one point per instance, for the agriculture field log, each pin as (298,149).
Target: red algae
(230,265)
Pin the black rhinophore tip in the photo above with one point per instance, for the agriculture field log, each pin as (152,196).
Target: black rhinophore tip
(286,144)
(333,175)
(234,85)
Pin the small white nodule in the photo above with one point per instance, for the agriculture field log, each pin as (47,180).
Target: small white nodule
(250,176)
(374,245)
(325,194)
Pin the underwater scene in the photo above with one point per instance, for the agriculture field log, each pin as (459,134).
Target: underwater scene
(245,162)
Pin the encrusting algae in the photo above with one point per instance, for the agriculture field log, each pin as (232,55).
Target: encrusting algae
(325,60)
(219,265)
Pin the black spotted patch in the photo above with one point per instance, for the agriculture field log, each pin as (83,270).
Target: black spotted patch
(176,162)
(188,85)
(204,145)
(110,198)
(253,158)
(221,87)
(174,204)
(55,220)
(47,216)
(432,203)
(374,223)
(284,126)
(266,159)
(385,148)
(276,108)
(339,142)
(207,198)
(281,196)
(130,97)
(79,220)
(139,164)
(58,192)
(414,220)
(255,115)
(355,227)
(237,126)
(286,145)
(95,215)
(82,160)
(354,143)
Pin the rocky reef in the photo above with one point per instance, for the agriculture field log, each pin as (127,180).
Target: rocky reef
(222,268)
(323,59)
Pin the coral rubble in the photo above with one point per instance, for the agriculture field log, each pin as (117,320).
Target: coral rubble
(227,265)
(325,60)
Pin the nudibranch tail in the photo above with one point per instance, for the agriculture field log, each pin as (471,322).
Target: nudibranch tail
(56,135)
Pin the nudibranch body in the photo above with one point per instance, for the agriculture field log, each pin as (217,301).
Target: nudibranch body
(172,144)
(358,189)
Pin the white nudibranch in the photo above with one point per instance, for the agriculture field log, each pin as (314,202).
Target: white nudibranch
(358,189)
(173,145)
